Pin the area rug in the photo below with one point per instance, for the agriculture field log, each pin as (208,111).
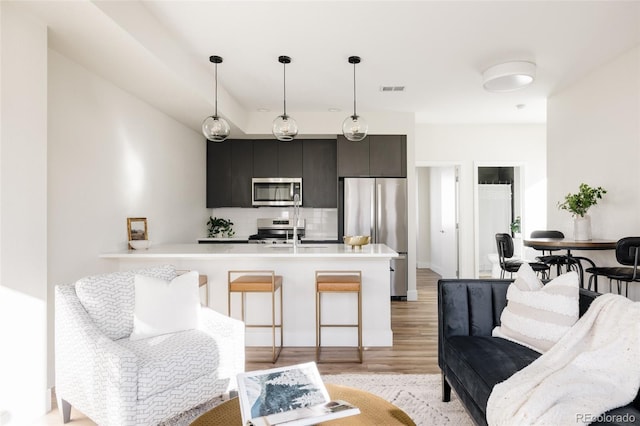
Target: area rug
(418,395)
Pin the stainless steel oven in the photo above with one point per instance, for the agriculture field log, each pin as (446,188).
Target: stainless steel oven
(275,191)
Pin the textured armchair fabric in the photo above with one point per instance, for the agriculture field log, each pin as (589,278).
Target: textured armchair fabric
(120,382)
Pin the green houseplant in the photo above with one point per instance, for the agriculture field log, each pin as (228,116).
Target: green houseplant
(219,227)
(578,205)
(515,226)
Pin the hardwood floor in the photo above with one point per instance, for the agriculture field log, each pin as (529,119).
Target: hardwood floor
(414,351)
(415,340)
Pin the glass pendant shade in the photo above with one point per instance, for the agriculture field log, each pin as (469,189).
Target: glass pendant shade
(215,129)
(354,128)
(284,128)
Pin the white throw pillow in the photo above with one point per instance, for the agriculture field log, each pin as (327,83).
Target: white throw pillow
(163,307)
(537,316)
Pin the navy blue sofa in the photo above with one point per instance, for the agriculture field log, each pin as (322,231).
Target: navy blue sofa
(472,361)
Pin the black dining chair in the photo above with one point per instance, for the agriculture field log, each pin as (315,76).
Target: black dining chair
(628,254)
(507,264)
(558,260)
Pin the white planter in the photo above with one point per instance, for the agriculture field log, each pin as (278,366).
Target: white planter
(582,228)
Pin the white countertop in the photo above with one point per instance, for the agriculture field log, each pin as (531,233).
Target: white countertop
(204,251)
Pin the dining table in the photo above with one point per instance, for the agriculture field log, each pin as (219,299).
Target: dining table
(569,244)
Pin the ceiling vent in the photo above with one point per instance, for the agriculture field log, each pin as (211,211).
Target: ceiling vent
(392,88)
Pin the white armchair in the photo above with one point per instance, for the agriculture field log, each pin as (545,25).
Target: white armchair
(115,381)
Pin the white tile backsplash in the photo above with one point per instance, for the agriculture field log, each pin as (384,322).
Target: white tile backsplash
(321,224)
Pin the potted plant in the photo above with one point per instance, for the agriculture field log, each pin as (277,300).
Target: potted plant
(578,204)
(515,226)
(219,227)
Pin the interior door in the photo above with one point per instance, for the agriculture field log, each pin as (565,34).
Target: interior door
(449,222)
(444,221)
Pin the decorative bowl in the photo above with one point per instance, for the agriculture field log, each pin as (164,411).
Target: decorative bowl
(356,240)
(139,244)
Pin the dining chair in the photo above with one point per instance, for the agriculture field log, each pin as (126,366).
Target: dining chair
(558,260)
(504,243)
(627,253)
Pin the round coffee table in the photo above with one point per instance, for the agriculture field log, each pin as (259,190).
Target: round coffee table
(373,410)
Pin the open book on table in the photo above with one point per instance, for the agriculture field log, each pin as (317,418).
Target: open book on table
(291,396)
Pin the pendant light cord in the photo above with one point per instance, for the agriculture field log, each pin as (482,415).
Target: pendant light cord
(215,114)
(354,91)
(284,88)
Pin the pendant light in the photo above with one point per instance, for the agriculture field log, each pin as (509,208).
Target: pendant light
(214,128)
(354,127)
(284,127)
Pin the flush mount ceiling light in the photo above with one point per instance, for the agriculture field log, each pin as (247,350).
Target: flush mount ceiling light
(215,128)
(508,76)
(284,127)
(354,127)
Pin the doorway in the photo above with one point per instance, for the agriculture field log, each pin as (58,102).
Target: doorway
(437,204)
(498,210)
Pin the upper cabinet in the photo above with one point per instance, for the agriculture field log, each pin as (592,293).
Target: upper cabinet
(375,156)
(273,158)
(241,172)
(353,157)
(233,163)
(319,174)
(218,174)
(229,173)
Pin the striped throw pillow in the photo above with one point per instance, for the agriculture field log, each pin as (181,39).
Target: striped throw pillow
(537,316)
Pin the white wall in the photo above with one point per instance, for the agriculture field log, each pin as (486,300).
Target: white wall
(594,137)
(112,156)
(470,145)
(424,203)
(23,217)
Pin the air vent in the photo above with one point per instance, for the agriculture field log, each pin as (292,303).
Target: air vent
(392,88)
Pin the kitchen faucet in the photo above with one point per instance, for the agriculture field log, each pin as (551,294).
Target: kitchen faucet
(296,217)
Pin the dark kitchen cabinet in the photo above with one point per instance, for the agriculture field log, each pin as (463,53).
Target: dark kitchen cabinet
(319,173)
(353,157)
(375,156)
(265,158)
(273,158)
(218,174)
(241,172)
(229,173)
(290,159)
(387,156)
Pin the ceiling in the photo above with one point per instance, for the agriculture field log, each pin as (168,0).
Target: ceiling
(436,49)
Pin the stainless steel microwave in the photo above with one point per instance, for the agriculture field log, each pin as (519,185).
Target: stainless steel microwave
(275,191)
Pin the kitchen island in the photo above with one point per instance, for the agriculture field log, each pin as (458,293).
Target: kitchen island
(297,265)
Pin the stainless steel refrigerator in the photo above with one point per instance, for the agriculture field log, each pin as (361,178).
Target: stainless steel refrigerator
(378,207)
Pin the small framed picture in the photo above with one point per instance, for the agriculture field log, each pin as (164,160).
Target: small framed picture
(137,229)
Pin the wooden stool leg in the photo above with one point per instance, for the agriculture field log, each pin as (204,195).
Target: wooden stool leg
(360,349)
(318,328)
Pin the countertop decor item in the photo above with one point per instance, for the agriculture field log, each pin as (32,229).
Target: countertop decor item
(356,241)
(215,128)
(284,127)
(354,127)
(219,227)
(137,230)
(139,244)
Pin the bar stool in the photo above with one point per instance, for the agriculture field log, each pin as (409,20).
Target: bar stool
(244,282)
(338,282)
